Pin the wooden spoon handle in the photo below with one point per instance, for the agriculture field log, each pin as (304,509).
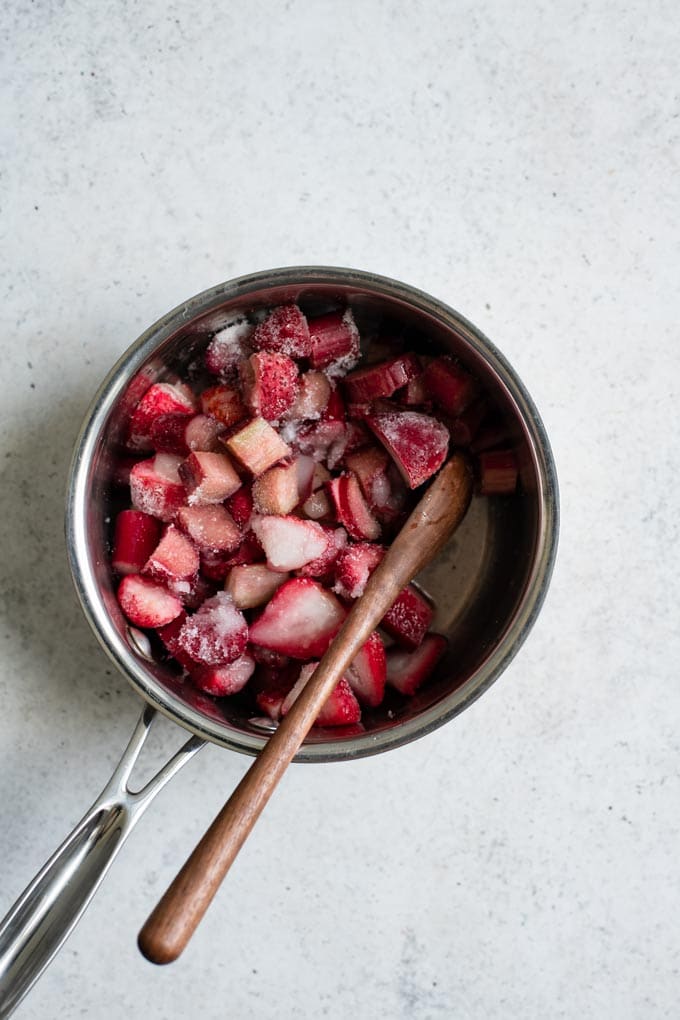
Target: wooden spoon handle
(176,916)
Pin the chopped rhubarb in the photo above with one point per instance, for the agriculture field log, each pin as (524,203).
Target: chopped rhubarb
(161,398)
(415,393)
(276,491)
(240,506)
(216,634)
(252,584)
(335,408)
(367,672)
(354,566)
(450,386)
(135,538)
(318,506)
(211,528)
(382,379)
(208,478)
(290,542)
(269,384)
(407,671)
(351,508)
(229,346)
(257,446)
(416,442)
(319,439)
(284,331)
(145,603)
(301,620)
(341,707)
(335,342)
(156,487)
(497,472)
(306,473)
(221,681)
(314,391)
(322,566)
(224,404)
(408,618)
(175,558)
(182,433)
(370,467)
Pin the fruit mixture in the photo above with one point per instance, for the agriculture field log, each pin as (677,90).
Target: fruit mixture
(262,501)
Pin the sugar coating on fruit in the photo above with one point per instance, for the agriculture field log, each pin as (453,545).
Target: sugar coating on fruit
(229,346)
(216,634)
(417,442)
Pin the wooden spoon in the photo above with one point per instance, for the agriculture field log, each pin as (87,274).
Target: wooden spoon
(175,918)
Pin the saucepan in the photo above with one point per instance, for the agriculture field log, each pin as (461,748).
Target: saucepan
(488,585)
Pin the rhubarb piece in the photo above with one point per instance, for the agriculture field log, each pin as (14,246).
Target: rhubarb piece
(181,433)
(284,331)
(415,393)
(224,404)
(175,559)
(416,442)
(211,528)
(382,379)
(497,472)
(301,620)
(322,566)
(229,346)
(335,408)
(269,384)
(407,671)
(289,542)
(221,681)
(216,634)
(208,478)
(156,488)
(318,439)
(408,618)
(314,391)
(272,685)
(357,437)
(351,508)
(257,446)
(340,708)
(335,342)
(451,388)
(317,506)
(307,476)
(370,467)
(161,398)
(240,506)
(276,491)
(252,584)
(145,603)
(135,538)
(367,672)
(354,566)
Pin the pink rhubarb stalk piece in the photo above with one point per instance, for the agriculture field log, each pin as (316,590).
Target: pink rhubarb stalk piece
(216,634)
(301,620)
(351,508)
(145,603)
(161,398)
(221,681)
(269,383)
(341,707)
(175,559)
(497,472)
(135,538)
(370,466)
(224,404)
(382,379)
(257,446)
(408,670)
(252,584)
(408,618)
(317,506)
(450,386)
(208,478)
(211,528)
(335,342)
(367,672)
(417,443)
(284,331)
(156,487)
(290,542)
(276,491)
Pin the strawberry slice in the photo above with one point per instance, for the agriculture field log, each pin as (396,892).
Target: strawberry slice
(416,442)
(341,707)
(208,477)
(284,331)
(156,488)
(224,404)
(382,379)
(161,398)
(252,584)
(354,566)
(269,384)
(257,446)
(145,603)
(240,506)
(169,634)
(174,559)
(272,684)
(314,391)
(351,508)
(229,346)
(367,672)
(221,681)
(451,388)
(211,528)
(335,342)
(301,620)
(182,433)
(276,491)
(216,634)
(408,618)
(497,472)
(407,671)
(322,566)
(290,542)
(135,538)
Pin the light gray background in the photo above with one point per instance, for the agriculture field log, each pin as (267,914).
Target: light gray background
(521,163)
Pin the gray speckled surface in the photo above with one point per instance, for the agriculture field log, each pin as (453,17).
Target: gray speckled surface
(523,166)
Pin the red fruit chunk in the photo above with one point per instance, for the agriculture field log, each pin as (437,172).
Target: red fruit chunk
(252,584)
(324,440)
(227,348)
(407,671)
(357,437)
(464,428)
(181,433)
(276,491)
(249,551)
(322,566)
(135,538)
(416,442)
(266,657)
(381,380)
(451,388)
(497,472)
(221,681)
(354,566)
(307,478)
(409,617)
(169,634)
(317,506)
(335,408)
(290,542)
(257,446)
(367,672)
(175,559)
(224,404)
(273,684)
(208,477)
(341,707)
(370,467)
(211,528)
(301,620)
(284,331)
(335,342)
(145,603)
(351,508)
(312,398)
(269,384)
(415,393)
(216,565)
(216,634)
(192,594)
(161,398)
(156,488)
(240,506)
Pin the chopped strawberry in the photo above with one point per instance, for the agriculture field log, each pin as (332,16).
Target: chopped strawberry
(175,558)
(161,398)
(216,634)
(370,467)
(193,593)
(367,672)
(450,386)
(267,657)
(354,566)
(301,620)
(182,433)
(221,681)
(317,506)
(269,384)
(229,346)
(382,379)
(169,634)
(408,618)
(211,528)
(240,506)
(284,331)
(208,477)
(497,472)
(407,671)
(252,584)
(416,442)
(351,507)
(341,707)
(323,440)
(335,342)
(224,404)
(249,551)
(276,491)
(272,685)
(145,603)
(216,565)
(314,391)
(290,542)
(322,566)
(257,446)
(135,538)
(156,488)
